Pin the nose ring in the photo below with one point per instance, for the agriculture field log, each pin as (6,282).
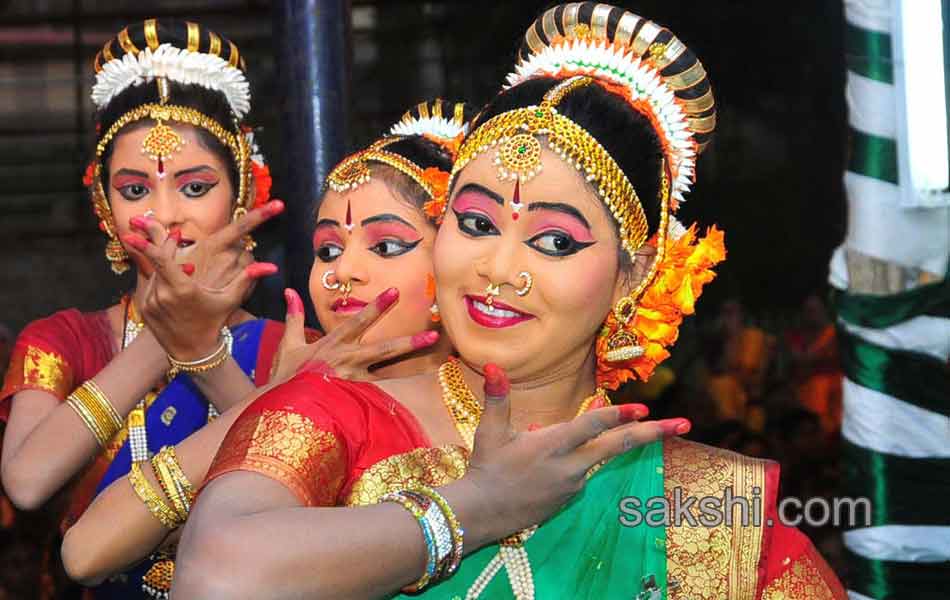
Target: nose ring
(326,281)
(491,291)
(528,283)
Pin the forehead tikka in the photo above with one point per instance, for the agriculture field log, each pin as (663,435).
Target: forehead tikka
(515,137)
(161,141)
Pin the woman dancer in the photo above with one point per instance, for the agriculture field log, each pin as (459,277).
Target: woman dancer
(571,278)
(372,236)
(89,394)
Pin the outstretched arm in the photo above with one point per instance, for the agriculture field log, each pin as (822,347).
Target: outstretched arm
(249,536)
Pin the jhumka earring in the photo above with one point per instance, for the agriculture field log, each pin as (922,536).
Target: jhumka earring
(623,343)
(325,280)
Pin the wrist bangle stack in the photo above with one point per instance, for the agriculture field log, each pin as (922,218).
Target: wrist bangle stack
(153,501)
(440,528)
(96,411)
(174,483)
(212,361)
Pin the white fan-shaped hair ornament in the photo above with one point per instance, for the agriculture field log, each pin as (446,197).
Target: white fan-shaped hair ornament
(620,66)
(434,126)
(175,64)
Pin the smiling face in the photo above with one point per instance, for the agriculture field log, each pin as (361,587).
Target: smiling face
(195,196)
(563,237)
(389,245)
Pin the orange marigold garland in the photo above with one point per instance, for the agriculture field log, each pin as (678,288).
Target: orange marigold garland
(680,278)
(438,181)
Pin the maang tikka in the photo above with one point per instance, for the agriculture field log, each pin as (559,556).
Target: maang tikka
(161,141)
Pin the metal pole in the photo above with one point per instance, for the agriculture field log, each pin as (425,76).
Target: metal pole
(312,53)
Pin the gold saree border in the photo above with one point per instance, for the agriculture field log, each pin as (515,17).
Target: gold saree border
(712,563)
(433,467)
(802,580)
(289,448)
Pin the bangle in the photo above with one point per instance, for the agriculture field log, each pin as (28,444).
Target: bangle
(452,522)
(153,502)
(96,411)
(173,481)
(212,361)
(431,549)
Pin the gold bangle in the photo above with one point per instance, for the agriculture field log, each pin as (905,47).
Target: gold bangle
(91,404)
(173,480)
(212,361)
(153,502)
(90,421)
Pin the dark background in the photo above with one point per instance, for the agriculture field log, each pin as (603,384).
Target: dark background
(771,179)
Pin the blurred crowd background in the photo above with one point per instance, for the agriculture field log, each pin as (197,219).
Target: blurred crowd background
(756,370)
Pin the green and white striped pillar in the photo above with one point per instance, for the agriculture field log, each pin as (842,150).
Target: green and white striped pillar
(894,329)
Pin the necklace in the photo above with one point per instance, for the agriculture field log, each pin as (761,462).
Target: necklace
(135,421)
(512,555)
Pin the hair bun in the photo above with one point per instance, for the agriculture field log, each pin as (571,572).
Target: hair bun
(440,121)
(181,51)
(636,58)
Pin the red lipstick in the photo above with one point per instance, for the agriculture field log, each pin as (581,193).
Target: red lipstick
(349,306)
(486,316)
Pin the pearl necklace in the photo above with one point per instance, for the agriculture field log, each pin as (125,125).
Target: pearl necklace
(512,555)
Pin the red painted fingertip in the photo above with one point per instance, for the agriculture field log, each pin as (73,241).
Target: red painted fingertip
(294,303)
(175,234)
(273,208)
(496,381)
(259,269)
(136,241)
(188,269)
(138,222)
(424,339)
(632,412)
(534,426)
(675,426)
(387,298)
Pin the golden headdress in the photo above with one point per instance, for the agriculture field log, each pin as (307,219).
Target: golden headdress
(584,44)
(161,52)
(439,122)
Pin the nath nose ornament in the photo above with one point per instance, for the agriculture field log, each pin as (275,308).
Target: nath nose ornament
(528,283)
(325,280)
(346,288)
(491,292)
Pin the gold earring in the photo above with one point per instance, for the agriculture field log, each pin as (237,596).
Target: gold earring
(115,253)
(528,283)
(623,344)
(249,243)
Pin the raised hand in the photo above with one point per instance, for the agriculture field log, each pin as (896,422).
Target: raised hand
(341,352)
(187,303)
(525,477)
